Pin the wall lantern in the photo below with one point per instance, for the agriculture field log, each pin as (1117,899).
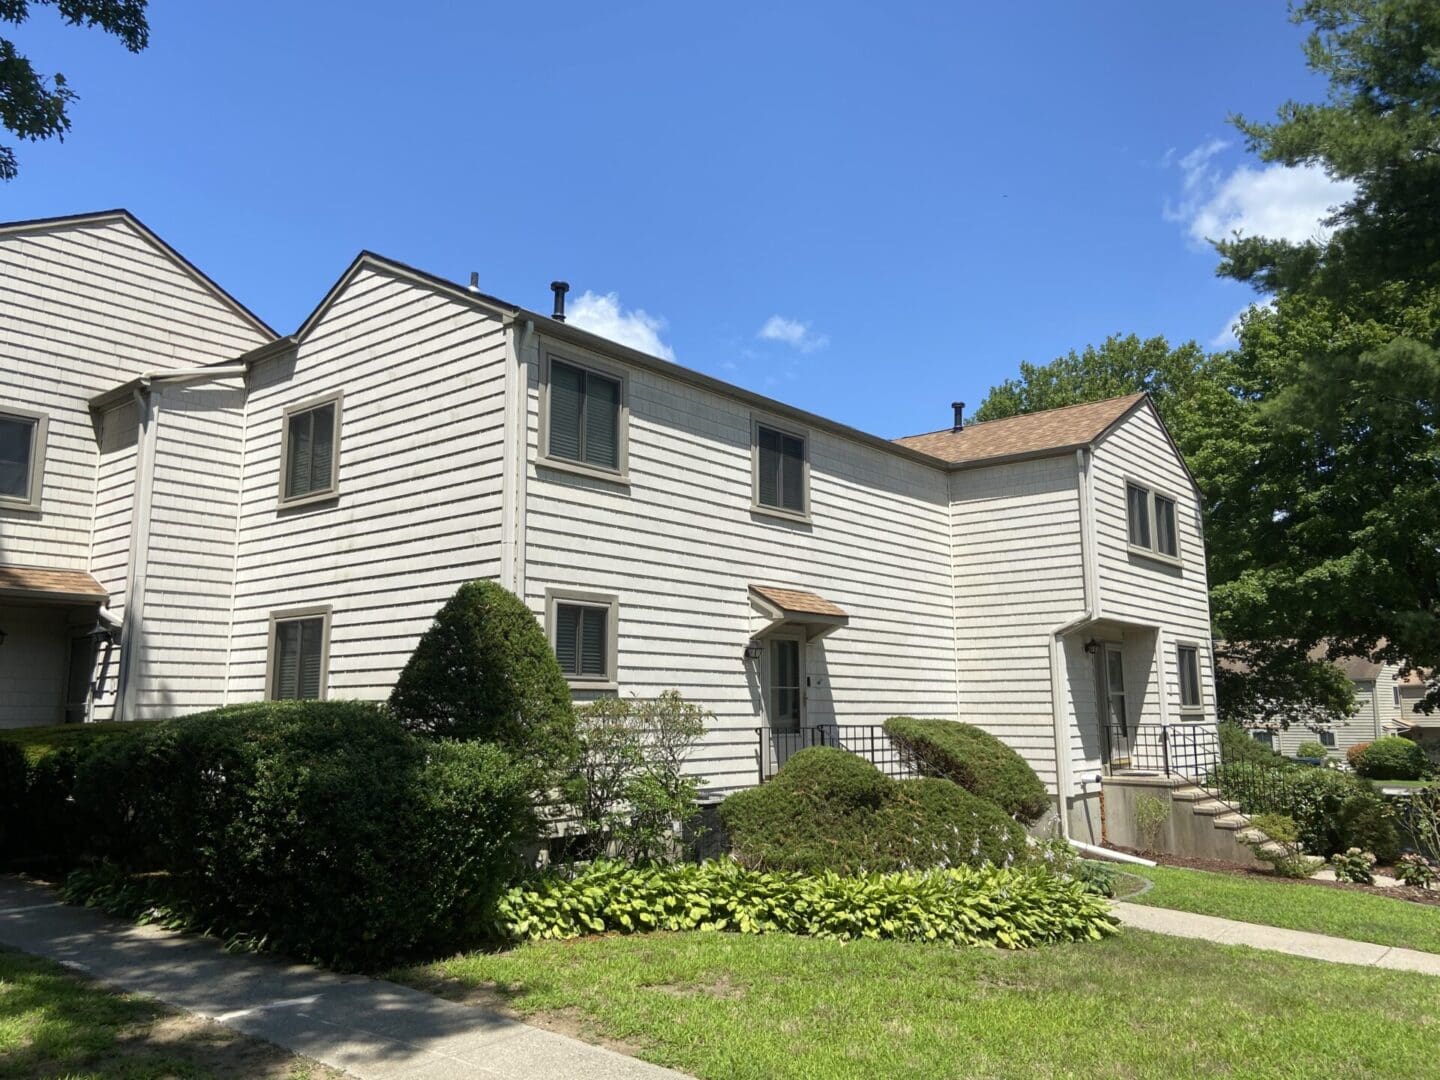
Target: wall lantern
(752,649)
(1092,646)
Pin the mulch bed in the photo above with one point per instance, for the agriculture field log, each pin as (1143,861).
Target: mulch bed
(1216,866)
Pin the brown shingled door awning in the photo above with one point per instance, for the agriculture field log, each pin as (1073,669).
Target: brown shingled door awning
(33,583)
(797,608)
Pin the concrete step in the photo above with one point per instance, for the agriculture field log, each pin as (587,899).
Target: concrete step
(1251,835)
(1232,821)
(1270,847)
(1189,793)
(1210,807)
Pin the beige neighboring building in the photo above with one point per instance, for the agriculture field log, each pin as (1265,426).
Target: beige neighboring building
(196,511)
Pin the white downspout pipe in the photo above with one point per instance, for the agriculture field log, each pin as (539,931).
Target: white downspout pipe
(148,418)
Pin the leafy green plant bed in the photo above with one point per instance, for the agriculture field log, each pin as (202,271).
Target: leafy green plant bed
(1135,1005)
(1013,909)
(1347,911)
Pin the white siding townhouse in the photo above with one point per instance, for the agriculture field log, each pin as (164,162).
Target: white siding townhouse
(197,511)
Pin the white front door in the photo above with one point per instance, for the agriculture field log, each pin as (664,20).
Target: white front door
(785,684)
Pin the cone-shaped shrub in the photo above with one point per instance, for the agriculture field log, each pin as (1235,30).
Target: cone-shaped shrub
(484,670)
(974,759)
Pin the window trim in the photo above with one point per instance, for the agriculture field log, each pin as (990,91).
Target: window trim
(323,612)
(1153,551)
(1198,709)
(337,398)
(610,603)
(605,369)
(761,420)
(38,441)
(1327,733)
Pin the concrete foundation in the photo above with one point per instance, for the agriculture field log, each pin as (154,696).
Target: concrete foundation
(1188,828)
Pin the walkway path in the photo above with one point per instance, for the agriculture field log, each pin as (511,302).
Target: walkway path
(370,1028)
(1295,942)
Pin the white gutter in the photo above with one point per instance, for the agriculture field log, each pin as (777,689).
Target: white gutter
(1111,856)
(192,374)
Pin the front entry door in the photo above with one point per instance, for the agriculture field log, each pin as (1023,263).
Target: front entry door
(786,701)
(1116,707)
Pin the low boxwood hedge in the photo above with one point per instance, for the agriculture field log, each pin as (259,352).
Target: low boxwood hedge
(830,810)
(974,759)
(1009,908)
(320,827)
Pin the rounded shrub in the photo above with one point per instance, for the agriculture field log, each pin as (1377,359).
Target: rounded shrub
(1355,752)
(485,670)
(322,827)
(1312,749)
(1366,823)
(974,759)
(1391,758)
(829,810)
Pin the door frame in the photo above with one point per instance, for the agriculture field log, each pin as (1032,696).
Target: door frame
(1117,745)
(767,670)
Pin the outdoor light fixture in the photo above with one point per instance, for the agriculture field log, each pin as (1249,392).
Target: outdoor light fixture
(752,649)
(1092,646)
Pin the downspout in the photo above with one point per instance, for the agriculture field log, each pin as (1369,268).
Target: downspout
(235,545)
(512,450)
(524,348)
(149,419)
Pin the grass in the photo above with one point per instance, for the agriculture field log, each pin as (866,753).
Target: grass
(1134,1006)
(55,1024)
(1360,916)
(1406,783)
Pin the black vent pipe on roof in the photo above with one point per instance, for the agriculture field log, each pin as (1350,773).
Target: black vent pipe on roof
(559,288)
(959,407)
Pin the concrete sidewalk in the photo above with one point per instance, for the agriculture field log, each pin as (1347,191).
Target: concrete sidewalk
(1275,939)
(370,1028)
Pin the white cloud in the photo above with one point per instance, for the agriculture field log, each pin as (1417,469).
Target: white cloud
(601,313)
(796,334)
(1277,201)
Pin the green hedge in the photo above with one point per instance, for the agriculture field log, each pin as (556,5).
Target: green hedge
(1010,908)
(1312,749)
(1391,758)
(485,670)
(322,828)
(830,810)
(974,759)
(37,770)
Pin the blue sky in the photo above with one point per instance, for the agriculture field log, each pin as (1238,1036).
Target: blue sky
(863,210)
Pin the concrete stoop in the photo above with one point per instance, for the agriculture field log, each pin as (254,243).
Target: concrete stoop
(1199,825)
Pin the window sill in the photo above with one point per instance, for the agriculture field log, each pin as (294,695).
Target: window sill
(578,468)
(596,686)
(29,505)
(779,512)
(315,497)
(1155,556)
(1192,715)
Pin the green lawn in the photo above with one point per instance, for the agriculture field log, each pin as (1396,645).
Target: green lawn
(55,1024)
(1357,915)
(1406,783)
(1136,1005)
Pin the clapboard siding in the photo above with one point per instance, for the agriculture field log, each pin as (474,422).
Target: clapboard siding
(1018,577)
(418,514)
(1133,587)
(680,546)
(190,569)
(88,306)
(118,429)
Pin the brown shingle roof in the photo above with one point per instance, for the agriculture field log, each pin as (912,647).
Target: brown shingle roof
(798,602)
(1053,430)
(50,584)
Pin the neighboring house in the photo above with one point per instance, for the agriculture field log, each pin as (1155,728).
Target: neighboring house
(1384,703)
(199,512)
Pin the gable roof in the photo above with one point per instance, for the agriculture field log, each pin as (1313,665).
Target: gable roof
(1027,435)
(145,233)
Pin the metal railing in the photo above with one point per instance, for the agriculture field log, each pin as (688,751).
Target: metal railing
(776,746)
(1188,751)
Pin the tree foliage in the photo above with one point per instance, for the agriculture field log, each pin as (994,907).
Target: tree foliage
(35,106)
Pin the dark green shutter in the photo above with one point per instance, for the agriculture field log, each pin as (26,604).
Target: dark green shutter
(769,468)
(602,421)
(567,403)
(567,619)
(792,473)
(592,641)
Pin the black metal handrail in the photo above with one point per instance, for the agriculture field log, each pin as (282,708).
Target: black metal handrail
(775,746)
(1188,751)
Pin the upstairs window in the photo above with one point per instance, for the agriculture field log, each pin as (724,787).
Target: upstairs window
(582,632)
(1151,521)
(299,654)
(781,471)
(309,464)
(586,417)
(1189,664)
(22,457)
